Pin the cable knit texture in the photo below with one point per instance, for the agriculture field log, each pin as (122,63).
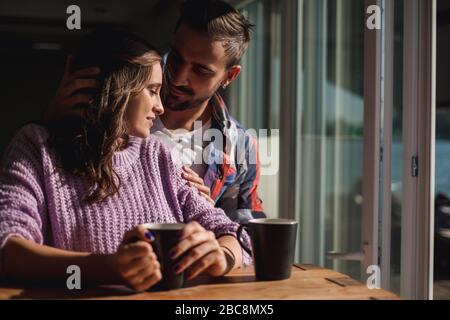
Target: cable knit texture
(42,203)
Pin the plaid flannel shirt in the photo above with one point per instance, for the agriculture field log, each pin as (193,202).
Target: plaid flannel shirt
(233,166)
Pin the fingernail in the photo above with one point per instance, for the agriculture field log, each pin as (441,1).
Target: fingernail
(150,236)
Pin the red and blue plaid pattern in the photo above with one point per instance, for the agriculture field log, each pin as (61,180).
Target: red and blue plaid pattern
(233,171)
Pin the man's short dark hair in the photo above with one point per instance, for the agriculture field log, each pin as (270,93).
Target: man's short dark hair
(221,22)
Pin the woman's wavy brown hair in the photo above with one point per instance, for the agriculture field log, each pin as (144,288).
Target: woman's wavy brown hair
(86,144)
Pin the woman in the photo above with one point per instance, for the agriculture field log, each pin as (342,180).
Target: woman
(77,191)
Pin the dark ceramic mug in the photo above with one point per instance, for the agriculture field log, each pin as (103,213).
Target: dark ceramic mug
(166,235)
(273,243)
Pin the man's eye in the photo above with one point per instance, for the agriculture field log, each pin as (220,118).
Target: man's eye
(202,71)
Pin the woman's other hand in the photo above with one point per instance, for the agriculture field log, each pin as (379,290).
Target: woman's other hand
(135,262)
(201,252)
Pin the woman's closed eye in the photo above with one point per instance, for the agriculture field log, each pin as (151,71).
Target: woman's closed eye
(153,90)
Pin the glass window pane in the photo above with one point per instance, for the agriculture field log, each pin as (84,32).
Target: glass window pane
(331,131)
(397,150)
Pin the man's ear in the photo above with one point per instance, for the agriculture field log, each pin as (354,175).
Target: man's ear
(232,74)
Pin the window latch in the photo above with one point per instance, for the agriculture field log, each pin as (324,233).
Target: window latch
(414,166)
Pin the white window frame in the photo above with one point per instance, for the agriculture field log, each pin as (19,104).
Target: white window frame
(419,74)
(373,70)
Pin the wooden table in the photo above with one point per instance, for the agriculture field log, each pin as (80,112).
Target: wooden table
(306,282)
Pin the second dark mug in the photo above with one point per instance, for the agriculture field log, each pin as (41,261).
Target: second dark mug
(273,243)
(167,235)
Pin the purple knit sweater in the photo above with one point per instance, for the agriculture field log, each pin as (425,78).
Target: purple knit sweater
(45,205)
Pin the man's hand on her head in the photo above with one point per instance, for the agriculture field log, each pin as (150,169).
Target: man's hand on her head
(67,95)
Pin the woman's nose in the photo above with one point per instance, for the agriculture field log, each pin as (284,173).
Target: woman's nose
(158,108)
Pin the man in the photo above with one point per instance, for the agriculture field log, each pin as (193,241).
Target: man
(210,38)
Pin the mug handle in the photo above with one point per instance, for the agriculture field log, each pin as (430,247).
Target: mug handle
(238,235)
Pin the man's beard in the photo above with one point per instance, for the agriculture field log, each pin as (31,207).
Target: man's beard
(190,103)
(186,105)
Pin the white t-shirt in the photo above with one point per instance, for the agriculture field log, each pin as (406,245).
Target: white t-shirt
(186,146)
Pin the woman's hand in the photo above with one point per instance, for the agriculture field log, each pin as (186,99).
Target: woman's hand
(201,250)
(135,262)
(194,180)
(66,97)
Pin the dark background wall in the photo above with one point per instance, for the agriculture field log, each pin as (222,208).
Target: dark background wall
(443,71)
(443,54)
(34,43)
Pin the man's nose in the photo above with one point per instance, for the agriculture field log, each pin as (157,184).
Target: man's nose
(179,75)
